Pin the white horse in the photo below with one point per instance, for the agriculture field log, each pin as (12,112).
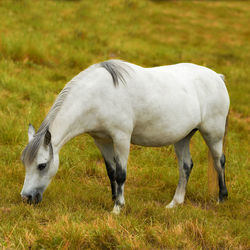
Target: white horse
(119,103)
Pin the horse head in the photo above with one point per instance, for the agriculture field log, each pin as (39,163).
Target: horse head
(41,164)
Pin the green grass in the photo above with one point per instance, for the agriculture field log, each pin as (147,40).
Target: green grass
(42,46)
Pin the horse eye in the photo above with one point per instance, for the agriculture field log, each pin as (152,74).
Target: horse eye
(41,166)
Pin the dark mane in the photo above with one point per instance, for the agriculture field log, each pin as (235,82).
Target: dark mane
(117,69)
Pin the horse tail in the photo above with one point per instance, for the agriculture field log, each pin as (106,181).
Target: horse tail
(226,124)
(222,77)
(212,177)
(225,133)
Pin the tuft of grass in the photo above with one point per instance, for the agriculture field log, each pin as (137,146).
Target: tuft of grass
(42,46)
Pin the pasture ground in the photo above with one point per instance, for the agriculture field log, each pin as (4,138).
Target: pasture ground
(43,44)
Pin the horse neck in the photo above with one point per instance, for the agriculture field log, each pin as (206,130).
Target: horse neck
(74,117)
(62,131)
(68,122)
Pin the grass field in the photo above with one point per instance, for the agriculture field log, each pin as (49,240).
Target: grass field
(43,44)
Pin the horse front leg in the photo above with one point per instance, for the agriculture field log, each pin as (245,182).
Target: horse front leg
(107,151)
(121,149)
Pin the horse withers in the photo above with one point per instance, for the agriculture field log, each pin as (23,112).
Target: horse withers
(118,103)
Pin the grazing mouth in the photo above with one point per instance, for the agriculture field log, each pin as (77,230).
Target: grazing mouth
(32,199)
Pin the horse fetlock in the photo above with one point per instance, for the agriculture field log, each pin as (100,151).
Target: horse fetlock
(120,202)
(114,197)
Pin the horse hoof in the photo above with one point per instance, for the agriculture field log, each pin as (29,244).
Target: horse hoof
(116,210)
(172,204)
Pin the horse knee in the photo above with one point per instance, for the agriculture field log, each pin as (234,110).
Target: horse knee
(187,169)
(120,173)
(110,171)
(223,161)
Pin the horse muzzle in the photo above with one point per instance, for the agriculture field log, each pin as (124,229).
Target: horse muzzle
(33,197)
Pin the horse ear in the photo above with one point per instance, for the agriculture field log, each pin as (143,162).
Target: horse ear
(31,132)
(47,138)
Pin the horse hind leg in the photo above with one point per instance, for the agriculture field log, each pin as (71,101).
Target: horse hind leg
(215,145)
(185,166)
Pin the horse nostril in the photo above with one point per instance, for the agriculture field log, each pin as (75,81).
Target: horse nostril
(24,198)
(38,198)
(29,199)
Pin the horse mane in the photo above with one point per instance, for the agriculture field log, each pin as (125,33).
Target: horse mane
(117,70)
(30,151)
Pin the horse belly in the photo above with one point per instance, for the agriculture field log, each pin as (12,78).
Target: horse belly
(153,140)
(152,136)
(165,126)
